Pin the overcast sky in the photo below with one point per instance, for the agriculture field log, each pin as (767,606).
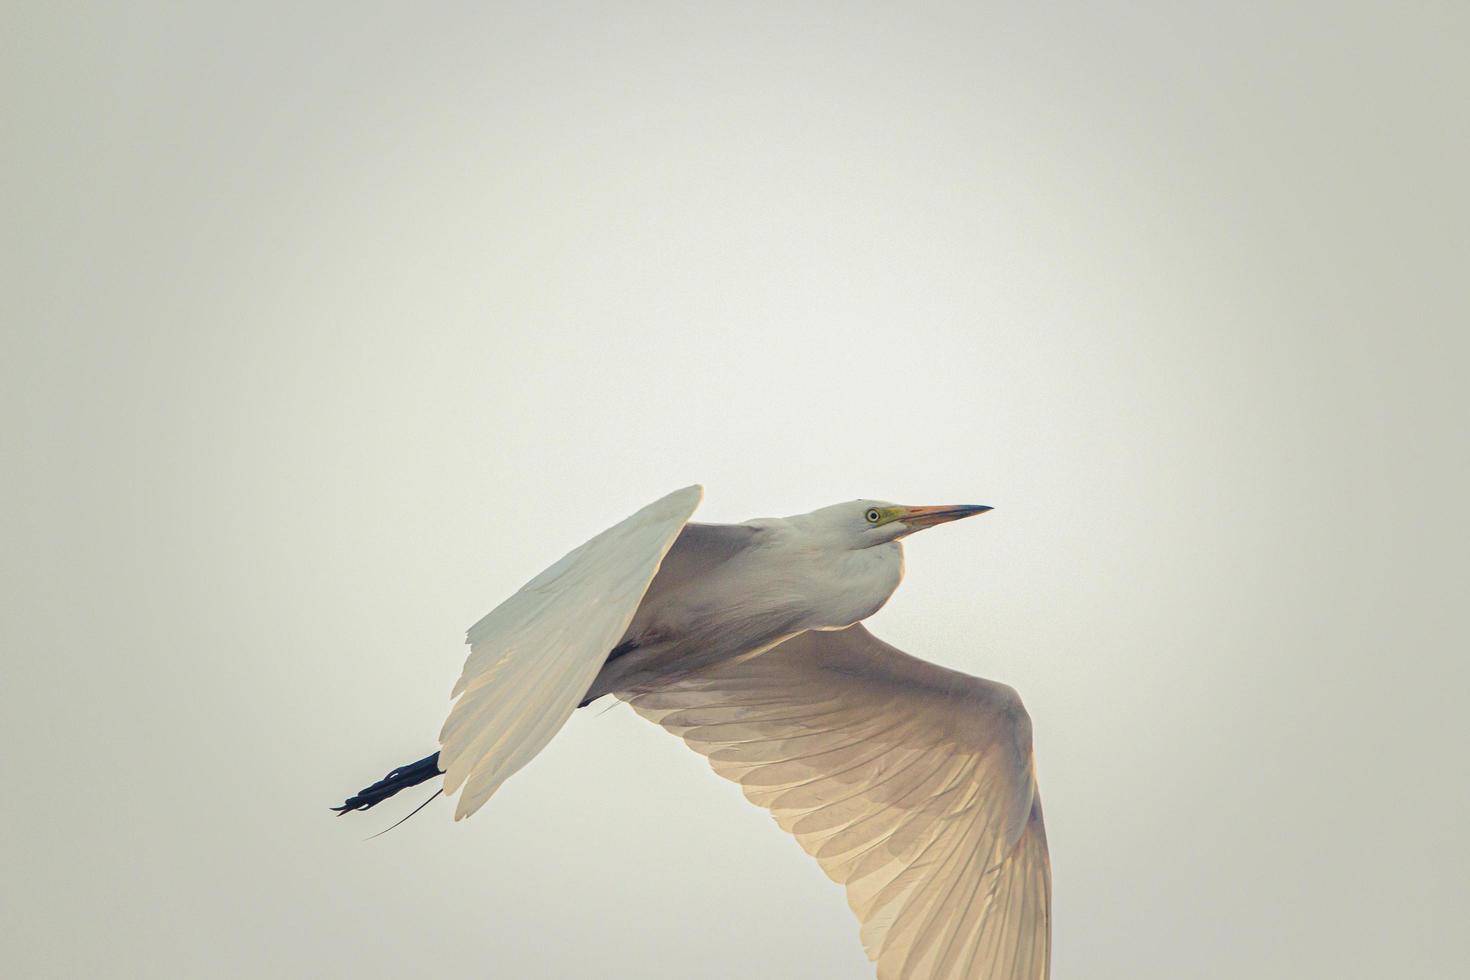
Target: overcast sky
(323,330)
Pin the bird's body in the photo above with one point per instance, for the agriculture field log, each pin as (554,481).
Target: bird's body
(734,590)
(911,784)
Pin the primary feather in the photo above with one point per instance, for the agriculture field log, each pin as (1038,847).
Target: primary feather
(911,785)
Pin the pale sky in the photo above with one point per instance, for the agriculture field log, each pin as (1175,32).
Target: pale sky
(324,330)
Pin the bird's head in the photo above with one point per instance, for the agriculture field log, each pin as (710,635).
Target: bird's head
(865,523)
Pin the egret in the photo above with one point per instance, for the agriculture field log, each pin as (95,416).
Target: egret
(911,784)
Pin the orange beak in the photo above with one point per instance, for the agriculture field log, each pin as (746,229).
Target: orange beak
(919,518)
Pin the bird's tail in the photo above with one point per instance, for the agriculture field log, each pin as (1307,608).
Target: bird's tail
(399,779)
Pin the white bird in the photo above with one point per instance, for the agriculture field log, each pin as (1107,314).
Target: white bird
(911,784)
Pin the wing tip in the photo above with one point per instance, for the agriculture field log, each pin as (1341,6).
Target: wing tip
(677,506)
(693,494)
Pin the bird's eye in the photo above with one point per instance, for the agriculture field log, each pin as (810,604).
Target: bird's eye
(873,515)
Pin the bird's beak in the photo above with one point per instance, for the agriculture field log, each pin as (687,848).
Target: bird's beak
(918,518)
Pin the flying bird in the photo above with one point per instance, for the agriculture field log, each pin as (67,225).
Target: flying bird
(911,784)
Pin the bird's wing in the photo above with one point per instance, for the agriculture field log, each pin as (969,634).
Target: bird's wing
(699,549)
(910,784)
(535,655)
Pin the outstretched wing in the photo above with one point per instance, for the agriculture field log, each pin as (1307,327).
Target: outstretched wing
(911,784)
(535,655)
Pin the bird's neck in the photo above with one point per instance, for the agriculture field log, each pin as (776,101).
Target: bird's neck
(840,587)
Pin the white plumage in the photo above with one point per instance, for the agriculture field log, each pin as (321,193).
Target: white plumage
(534,655)
(912,785)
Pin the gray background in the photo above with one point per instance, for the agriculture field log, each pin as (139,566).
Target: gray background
(325,329)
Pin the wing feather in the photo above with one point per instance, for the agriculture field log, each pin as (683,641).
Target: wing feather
(534,656)
(910,784)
